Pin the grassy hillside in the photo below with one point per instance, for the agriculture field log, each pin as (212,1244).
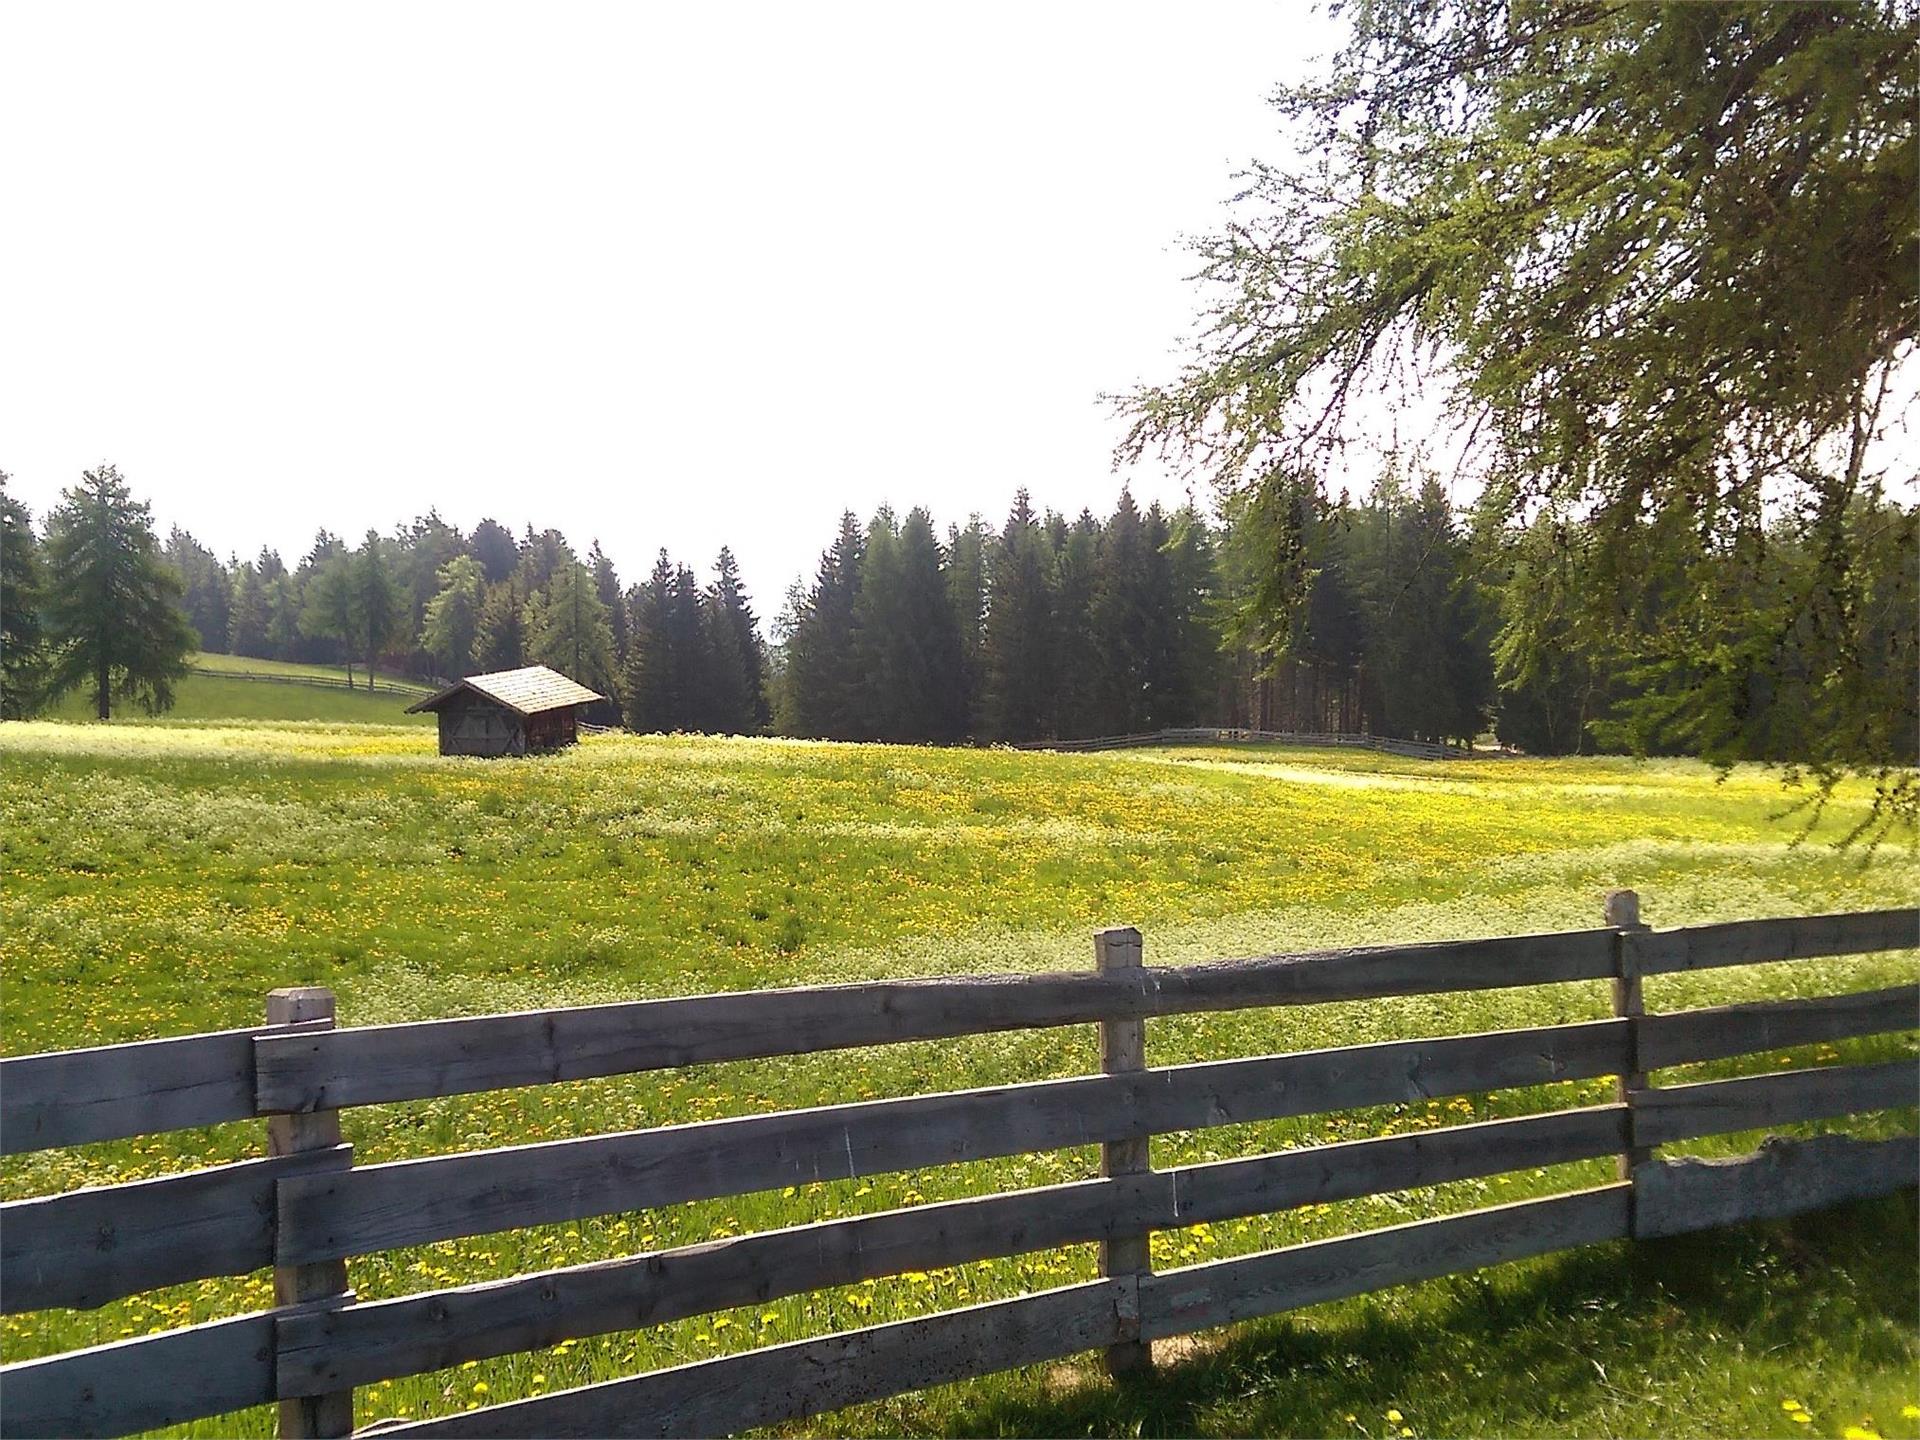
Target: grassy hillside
(161,878)
(224,697)
(248,665)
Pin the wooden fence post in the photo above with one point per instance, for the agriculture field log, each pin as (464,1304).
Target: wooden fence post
(308,1417)
(1629,1004)
(1123,1049)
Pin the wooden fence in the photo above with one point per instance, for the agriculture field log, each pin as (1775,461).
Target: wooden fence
(1413,749)
(305,1208)
(410,689)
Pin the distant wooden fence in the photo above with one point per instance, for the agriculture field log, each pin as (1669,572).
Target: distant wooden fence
(305,1207)
(1413,749)
(411,689)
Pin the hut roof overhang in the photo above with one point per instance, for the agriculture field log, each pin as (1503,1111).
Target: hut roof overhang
(530,690)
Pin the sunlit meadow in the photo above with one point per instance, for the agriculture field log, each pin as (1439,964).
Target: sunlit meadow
(160,878)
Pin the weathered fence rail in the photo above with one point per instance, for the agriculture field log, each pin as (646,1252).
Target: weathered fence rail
(1203,735)
(412,689)
(305,1208)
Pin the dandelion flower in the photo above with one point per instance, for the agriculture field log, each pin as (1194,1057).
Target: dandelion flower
(480,1387)
(1910,1412)
(1791,1405)
(1856,1432)
(1394,1417)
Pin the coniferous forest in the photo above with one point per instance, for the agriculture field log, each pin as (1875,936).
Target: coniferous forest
(1410,617)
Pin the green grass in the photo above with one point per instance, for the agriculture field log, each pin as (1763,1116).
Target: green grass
(161,878)
(248,665)
(231,697)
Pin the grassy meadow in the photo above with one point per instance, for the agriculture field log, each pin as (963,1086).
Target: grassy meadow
(225,695)
(160,878)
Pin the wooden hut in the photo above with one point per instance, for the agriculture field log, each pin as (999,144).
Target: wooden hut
(509,712)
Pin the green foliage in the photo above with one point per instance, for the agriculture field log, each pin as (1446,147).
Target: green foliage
(501,641)
(22,649)
(452,621)
(1660,261)
(161,877)
(112,611)
(567,629)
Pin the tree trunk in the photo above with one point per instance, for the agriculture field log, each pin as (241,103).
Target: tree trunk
(102,683)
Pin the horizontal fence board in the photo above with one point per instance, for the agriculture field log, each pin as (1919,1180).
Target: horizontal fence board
(110,1092)
(1687,1037)
(141,1384)
(322,1351)
(810,1377)
(89,1246)
(1796,937)
(1782,1178)
(1718,1107)
(410,1202)
(1199,1297)
(379,1064)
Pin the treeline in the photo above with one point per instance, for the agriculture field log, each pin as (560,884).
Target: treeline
(1044,627)
(1395,614)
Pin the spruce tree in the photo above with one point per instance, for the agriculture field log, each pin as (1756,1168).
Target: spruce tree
(821,689)
(606,585)
(22,651)
(451,631)
(741,654)
(502,640)
(1073,699)
(208,596)
(649,690)
(113,616)
(1119,622)
(1018,641)
(967,551)
(247,614)
(492,545)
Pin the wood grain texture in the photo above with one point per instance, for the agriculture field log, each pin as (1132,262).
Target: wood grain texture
(381,1207)
(141,1384)
(1687,1037)
(1199,1297)
(1796,937)
(109,1092)
(383,1063)
(89,1246)
(1719,1107)
(1782,1178)
(404,1336)
(810,1377)
(328,1414)
(1123,1051)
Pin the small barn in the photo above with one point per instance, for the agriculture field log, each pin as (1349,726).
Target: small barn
(509,712)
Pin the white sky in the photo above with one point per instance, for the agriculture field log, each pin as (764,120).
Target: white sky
(662,274)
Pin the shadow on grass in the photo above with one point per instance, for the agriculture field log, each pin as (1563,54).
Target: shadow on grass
(1616,1339)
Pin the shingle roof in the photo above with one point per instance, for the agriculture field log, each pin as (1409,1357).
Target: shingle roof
(526,691)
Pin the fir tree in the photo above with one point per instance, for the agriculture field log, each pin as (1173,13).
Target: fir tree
(502,639)
(492,545)
(451,632)
(1018,643)
(21,649)
(247,613)
(739,657)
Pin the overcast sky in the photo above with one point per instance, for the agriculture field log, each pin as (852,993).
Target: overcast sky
(674,275)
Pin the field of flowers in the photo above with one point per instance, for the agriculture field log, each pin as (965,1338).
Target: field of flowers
(160,878)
